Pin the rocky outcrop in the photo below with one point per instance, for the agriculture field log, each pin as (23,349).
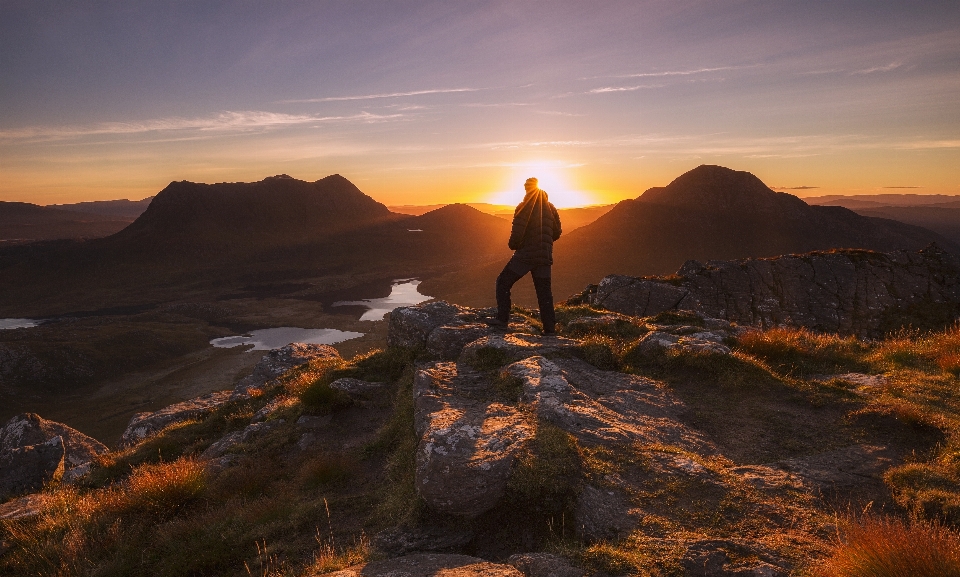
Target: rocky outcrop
(468,443)
(429,565)
(145,425)
(34,450)
(846,291)
(31,429)
(28,468)
(442,329)
(279,361)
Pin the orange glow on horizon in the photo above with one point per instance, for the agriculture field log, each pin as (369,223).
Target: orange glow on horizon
(552,177)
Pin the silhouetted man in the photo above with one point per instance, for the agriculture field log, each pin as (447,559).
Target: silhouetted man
(536,224)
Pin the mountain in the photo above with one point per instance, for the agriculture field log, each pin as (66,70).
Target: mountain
(712,212)
(125,209)
(22,222)
(240,217)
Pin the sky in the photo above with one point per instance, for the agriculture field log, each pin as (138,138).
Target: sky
(420,102)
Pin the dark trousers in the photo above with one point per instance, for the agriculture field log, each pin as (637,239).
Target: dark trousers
(509,277)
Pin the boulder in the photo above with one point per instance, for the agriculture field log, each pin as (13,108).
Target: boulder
(659,342)
(411,326)
(144,425)
(429,565)
(28,468)
(278,361)
(447,341)
(356,388)
(467,445)
(504,349)
(34,450)
(32,429)
(544,565)
(23,507)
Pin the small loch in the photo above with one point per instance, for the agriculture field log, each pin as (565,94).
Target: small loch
(18,323)
(267,339)
(403,293)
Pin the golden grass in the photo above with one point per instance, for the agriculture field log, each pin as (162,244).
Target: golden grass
(888,547)
(792,350)
(913,349)
(166,487)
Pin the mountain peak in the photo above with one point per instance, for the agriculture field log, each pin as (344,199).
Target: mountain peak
(720,188)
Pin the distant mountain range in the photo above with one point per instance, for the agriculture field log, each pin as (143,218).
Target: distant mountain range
(208,239)
(126,209)
(572,218)
(22,222)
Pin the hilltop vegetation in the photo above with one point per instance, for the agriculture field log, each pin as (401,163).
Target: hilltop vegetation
(789,396)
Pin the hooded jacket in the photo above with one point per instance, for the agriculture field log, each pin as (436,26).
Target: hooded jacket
(536,224)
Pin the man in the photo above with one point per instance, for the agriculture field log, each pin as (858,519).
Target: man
(536,224)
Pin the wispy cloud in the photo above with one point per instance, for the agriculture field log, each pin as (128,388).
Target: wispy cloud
(376,96)
(901,187)
(495,104)
(887,68)
(679,72)
(794,187)
(556,113)
(606,89)
(227,121)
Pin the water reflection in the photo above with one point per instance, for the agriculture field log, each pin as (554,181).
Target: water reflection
(403,293)
(267,339)
(18,323)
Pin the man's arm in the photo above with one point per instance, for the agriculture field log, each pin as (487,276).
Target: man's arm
(556,222)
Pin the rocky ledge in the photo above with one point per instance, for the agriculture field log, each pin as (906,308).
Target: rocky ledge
(847,291)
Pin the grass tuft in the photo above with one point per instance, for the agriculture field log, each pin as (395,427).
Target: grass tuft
(164,488)
(888,547)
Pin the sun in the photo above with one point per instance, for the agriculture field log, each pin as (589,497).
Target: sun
(552,177)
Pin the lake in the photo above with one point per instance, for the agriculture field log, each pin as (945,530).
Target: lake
(403,293)
(18,323)
(267,339)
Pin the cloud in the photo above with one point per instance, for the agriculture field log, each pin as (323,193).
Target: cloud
(901,187)
(680,72)
(556,113)
(667,73)
(375,96)
(887,68)
(607,89)
(794,187)
(227,121)
(496,104)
